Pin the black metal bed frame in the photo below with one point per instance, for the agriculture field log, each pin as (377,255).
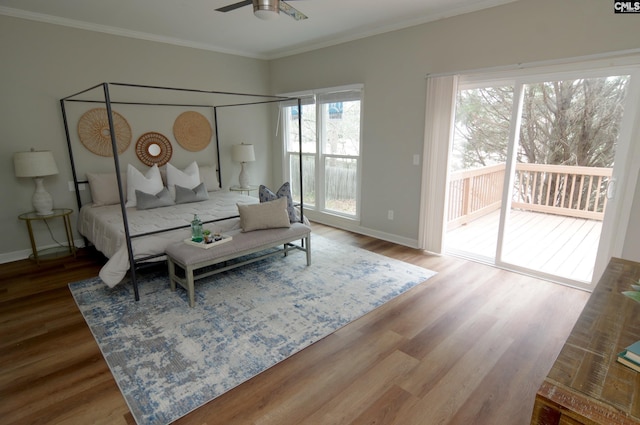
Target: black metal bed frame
(133,263)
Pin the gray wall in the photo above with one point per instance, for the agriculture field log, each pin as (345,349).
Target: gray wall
(393,67)
(632,240)
(42,63)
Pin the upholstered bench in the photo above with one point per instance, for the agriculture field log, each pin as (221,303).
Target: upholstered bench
(191,259)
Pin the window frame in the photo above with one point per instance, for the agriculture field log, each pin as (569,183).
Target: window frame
(320,97)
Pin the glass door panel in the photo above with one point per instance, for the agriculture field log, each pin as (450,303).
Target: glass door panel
(477,167)
(529,173)
(564,161)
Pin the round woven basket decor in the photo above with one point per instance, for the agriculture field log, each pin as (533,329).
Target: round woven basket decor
(93,130)
(153,148)
(192,130)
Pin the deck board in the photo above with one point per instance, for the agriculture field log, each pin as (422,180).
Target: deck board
(552,244)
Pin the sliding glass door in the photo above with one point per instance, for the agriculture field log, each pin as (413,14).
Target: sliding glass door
(531,164)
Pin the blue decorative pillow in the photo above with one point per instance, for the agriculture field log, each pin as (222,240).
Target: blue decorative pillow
(147,201)
(197,194)
(266,195)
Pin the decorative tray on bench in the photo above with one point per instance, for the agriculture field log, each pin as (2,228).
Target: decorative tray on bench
(225,238)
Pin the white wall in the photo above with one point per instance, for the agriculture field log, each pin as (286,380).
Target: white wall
(42,63)
(393,67)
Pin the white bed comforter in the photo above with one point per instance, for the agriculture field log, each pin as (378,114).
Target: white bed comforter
(103,227)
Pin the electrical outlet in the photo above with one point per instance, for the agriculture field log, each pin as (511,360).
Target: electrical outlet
(390,215)
(416,159)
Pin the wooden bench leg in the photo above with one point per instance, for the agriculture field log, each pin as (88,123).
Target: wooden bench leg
(188,279)
(172,273)
(191,290)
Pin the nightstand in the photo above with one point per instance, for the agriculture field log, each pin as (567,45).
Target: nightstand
(244,189)
(55,252)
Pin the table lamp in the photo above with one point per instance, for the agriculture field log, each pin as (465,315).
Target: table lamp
(37,164)
(243,153)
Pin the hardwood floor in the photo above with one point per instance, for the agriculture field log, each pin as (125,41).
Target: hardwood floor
(469,346)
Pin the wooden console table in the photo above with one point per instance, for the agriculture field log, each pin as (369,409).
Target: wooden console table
(586,385)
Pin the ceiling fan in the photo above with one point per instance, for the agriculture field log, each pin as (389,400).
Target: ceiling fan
(266,9)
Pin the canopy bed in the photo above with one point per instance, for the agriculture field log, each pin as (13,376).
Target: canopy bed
(132,215)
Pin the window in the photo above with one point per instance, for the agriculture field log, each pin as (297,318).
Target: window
(331,121)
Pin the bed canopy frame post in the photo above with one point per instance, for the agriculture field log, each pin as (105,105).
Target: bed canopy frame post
(70,150)
(215,129)
(123,208)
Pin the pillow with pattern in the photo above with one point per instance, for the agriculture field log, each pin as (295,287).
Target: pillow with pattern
(266,195)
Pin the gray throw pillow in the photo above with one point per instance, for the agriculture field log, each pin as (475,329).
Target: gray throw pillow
(197,194)
(266,215)
(147,201)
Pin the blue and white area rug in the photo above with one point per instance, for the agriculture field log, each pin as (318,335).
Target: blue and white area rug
(169,359)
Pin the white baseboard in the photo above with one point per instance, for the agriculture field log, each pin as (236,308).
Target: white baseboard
(327,219)
(354,226)
(9,257)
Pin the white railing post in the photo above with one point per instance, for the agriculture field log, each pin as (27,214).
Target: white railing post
(477,192)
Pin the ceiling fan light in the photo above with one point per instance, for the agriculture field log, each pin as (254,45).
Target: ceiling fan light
(266,15)
(266,9)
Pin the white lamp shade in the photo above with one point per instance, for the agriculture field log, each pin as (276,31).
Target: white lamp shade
(243,153)
(34,164)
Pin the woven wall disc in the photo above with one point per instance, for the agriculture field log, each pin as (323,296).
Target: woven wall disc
(93,130)
(153,148)
(192,130)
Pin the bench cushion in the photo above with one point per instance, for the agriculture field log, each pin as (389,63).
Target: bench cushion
(242,241)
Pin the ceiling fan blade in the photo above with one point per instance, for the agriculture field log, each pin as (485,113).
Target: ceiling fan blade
(292,11)
(235,6)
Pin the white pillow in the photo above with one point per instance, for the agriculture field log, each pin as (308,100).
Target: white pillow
(151,182)
(104,188)
(209,176)
(188,178)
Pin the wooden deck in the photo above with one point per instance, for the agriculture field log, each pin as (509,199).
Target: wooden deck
(556,245)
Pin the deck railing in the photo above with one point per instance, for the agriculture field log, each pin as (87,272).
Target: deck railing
(553,189)
(474,193)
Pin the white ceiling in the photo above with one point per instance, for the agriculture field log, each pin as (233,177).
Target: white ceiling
(196,23)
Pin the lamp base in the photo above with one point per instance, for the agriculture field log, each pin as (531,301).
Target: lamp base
(42,201)
(243,178)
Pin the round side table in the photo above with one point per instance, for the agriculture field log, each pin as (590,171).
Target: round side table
(55,252)
(244,189)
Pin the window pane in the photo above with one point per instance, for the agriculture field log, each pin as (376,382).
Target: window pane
(482,127)
(308,128)
(340,184)
(309,171)
(341,135)
(329,122)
